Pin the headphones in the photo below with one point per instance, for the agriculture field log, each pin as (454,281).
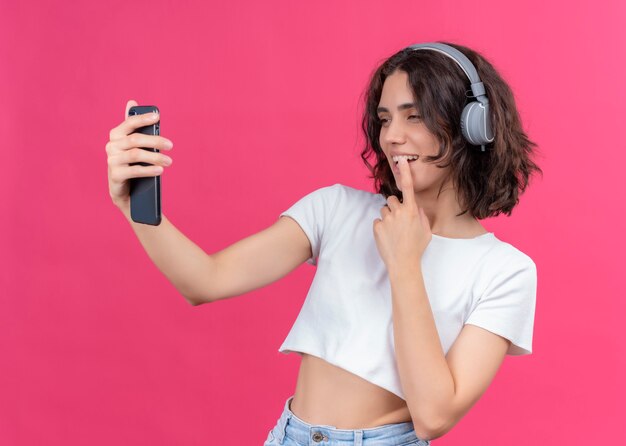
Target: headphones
(475,121)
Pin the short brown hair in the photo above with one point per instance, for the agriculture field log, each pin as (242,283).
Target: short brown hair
(489,182)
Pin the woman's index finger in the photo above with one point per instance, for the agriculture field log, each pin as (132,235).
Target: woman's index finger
(406,181)
(132,123)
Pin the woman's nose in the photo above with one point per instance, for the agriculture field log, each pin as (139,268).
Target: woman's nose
(394,133)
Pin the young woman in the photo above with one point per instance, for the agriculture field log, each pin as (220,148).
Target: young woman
(414,304)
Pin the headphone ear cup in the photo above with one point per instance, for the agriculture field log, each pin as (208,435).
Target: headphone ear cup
(465,124)
(475,123)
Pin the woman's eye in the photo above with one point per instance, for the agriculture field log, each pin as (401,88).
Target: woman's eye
(384,121)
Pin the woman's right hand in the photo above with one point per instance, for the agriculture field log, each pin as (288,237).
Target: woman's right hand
(124,148)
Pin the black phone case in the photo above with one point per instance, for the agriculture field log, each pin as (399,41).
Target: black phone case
(145,192)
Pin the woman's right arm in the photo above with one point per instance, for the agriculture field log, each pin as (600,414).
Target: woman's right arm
(246,265)
(251,263)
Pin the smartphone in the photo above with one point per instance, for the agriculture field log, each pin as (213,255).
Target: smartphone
(145,192)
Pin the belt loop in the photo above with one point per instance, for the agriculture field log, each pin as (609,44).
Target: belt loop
(282,428)
(283,421)
(358,438)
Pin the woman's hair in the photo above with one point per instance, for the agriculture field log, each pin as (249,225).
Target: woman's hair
(489,182)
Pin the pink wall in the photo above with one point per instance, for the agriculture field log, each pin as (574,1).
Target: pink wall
(97,347)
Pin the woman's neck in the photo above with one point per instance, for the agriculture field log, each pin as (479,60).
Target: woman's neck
(442,214)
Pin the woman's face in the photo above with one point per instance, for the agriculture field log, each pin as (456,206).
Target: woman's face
(403,131)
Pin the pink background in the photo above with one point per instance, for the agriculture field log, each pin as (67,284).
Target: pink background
(262,101)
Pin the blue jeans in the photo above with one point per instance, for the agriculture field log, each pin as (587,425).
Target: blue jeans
(292,431)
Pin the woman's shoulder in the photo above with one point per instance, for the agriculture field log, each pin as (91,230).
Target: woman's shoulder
(345,195)
(505,255)
(355,193)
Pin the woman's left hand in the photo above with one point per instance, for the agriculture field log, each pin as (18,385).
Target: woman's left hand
(404,231)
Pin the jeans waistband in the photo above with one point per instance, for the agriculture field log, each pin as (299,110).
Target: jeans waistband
(322,435)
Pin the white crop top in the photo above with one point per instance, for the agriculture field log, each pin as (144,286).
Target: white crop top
(346,318)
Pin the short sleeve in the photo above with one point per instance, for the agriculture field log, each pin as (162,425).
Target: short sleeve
(507,307)
(312,212)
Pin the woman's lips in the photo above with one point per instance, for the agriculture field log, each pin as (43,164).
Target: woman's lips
(395,168)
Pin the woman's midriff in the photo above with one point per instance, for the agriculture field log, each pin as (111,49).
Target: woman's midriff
(329,395)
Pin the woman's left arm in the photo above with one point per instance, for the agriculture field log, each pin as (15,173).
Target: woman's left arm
(439,389)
